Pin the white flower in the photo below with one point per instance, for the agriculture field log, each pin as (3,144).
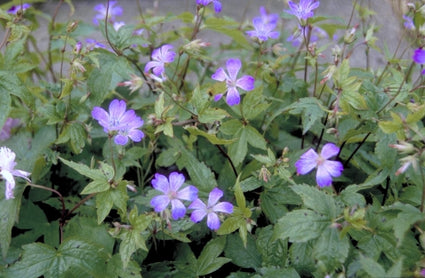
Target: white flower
(7,171)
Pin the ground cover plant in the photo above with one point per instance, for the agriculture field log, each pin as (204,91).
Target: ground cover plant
(141,150)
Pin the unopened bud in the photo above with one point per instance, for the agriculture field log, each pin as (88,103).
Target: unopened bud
(403,147)
(72,26)
(350,35)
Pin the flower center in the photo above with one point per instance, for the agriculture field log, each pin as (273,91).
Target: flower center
(320,160)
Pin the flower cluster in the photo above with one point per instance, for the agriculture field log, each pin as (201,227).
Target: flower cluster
(160,57)
(217,4)
(171,193)
(303,10)
(7,128)
(326,169)
(264,26)
(7,171)
(103,11)
(246,82)
(16,8)
(119,123)
(419,57)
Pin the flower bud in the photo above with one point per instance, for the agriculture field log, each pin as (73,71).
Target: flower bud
(350,35)
(72,26)
(403,147)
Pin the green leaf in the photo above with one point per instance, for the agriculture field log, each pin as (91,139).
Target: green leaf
(246,257)
(38,259)
(222,25)
(317,200)
(209,136)
(211,115)
(240,198)
(372,268)
(301,225)
(310,109)
(239,149)
(9,213)
(94,174)
(200,174)
(331,248)
(101,177)
(113,196)
(396,269)
(405,219)
(117,269)
(132,239)
(301,256)
(255,99)
(255,139)
(273,252)
(208,260)
(274,201)
(4,106)
(10,84)
(100,80)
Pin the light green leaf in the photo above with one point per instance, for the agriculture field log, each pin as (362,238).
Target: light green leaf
(211,115)
(94,174)
(223,26)
(209,136)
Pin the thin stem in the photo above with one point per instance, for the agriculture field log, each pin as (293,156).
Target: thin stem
(112,155)
(79,204)
(228,159)
(49,51)
(399,88)
(117,51)
(423,188)
(358,147)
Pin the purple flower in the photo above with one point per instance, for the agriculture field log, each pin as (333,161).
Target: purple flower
(7,171)
(118,24)
(304,9)
(302,32)
(262,30)
(217,4)
(15,8)
(112,12)
(170,187)
(160,56)
(119,122)
(268,18)
(200,210)
(419,57)
(246,82)
(326,169)
(92,43)
(408,23)
(7,128)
